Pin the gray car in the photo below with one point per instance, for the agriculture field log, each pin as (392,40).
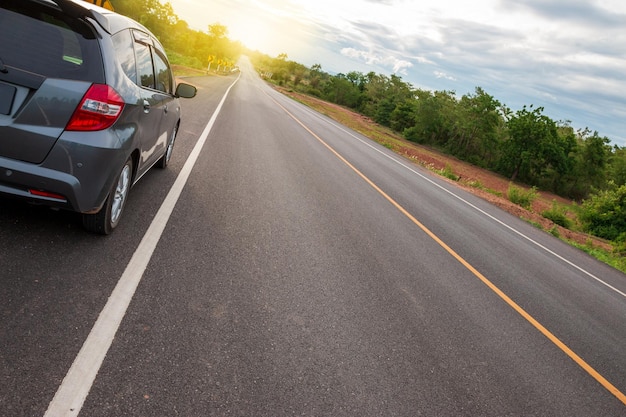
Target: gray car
(88,104)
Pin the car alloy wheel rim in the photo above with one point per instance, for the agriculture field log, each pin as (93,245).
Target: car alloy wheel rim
(121,191)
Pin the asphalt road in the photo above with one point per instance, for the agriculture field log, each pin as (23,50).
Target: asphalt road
(304,270)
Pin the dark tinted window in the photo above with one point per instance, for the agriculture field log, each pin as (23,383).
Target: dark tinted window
(42,40)
(123,44)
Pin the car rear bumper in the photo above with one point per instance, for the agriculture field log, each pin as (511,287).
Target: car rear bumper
(73,177)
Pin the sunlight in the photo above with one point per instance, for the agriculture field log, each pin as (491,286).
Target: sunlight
(269,26)
(252,32)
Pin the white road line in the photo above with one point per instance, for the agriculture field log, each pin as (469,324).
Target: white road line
(76,385)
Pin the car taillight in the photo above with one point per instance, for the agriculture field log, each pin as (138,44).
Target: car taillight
(99,109)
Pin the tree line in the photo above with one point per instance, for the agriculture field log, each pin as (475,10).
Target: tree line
(524,145)
(185,46)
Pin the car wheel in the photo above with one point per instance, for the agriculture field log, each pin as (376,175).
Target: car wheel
(165,159)
(109,216)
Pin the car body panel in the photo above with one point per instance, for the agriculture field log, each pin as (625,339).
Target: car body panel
(30,133)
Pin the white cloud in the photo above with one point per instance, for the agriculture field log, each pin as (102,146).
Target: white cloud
(401,66)
(443,75)
(398,66)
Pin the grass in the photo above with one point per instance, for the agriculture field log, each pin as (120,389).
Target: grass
(533,223)
(477,184)
(521,197)
(448,173)
(615,260)
(554,231)
(182,71)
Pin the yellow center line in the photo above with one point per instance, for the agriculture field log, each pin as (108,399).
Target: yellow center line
(555,340)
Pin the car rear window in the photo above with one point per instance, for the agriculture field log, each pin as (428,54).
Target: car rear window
(44,41)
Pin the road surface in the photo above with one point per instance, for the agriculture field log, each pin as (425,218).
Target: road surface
(285,265)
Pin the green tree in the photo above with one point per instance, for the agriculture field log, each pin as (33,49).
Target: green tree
(340,90)
(403,116)
(357,79)
(617,166)
(382,94)
(156,16)
(604,213)
(218,31)
(595,153)
(218,42)
(589,159)
(561,179)
(532,144)
(433,118)
(133,8)
(315,77)
(477,127)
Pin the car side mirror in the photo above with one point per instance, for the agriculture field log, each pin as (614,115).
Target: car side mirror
(185,90)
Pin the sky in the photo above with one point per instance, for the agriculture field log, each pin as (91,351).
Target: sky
(568,56)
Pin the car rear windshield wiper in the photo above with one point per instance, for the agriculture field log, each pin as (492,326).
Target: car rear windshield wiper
(3,69)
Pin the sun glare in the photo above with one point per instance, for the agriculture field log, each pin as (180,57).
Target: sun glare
(253,33)
(271,30)
(270,27)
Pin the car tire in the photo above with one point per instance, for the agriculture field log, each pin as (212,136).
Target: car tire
(107,219)
(165,159)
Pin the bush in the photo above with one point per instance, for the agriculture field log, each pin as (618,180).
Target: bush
(522,197)
(413,134)
(604,213)
(314,92)
(558,215)
(619,248)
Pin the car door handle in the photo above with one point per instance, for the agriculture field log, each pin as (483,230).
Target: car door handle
(146,106)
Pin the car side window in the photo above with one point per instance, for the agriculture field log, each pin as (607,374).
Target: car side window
(163,74)
(144,65)
(142,62)
(123,44)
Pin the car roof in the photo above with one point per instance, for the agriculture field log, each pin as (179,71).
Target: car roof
(110,21)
